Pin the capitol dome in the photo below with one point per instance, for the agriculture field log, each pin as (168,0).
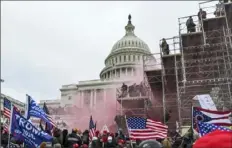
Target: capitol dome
(125,56)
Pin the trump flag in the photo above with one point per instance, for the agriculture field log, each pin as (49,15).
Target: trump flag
(34,110)
(25,131)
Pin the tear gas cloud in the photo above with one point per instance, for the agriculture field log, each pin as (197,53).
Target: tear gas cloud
(103,111)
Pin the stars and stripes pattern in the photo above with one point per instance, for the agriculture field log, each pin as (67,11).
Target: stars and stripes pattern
(7,107)
(6,127)
(143,129)
(91,128)
(205,128)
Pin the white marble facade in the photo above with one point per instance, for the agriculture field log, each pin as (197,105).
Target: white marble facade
(87,93)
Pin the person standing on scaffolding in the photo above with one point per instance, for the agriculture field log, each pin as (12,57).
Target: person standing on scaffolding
(219,10)
(165,47)
(123,90)
(191,26)
(201,16)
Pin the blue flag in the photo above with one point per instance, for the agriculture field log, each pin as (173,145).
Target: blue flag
(23,130)
(34,110)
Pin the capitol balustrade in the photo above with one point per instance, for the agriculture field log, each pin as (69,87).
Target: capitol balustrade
(62,110)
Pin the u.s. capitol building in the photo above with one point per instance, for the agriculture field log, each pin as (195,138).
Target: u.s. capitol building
(98,97)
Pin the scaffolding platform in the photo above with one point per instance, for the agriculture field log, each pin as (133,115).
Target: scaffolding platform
(206,62)
(199,62)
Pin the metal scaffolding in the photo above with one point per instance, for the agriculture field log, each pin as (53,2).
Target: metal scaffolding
(198,63)
(205,66)
(162,76)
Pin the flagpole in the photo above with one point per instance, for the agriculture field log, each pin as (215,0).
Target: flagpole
(11,116)
(128,132)
(192,124)
(26,106)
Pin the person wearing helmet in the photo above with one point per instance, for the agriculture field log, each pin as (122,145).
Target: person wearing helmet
(72,139)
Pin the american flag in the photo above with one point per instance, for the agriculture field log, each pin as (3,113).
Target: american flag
(6,127)
(205,128)
(91,128)
(143,129)
(7,107)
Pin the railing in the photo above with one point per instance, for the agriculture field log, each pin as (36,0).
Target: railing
(131,111)
(182,24)
(133,91)
(174,46)
(213,9)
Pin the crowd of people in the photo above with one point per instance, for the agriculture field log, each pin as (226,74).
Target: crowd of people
(104,139)
(134,90)
(76,139)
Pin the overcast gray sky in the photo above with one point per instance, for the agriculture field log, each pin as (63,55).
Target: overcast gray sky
(48,44)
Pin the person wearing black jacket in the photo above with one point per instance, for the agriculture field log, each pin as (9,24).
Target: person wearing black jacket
(65,134)
(4,138)
(111,143)
(85,137)
(73,138)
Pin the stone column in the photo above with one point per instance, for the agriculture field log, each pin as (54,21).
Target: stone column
(132,71)
(82,99)
(126,71)
(120,73)
(115,73)
(95,97)
(104,97)
(91,99)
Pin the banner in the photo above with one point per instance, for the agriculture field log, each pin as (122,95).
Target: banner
(205,101)
(34,110)
(105,128)
(23,130)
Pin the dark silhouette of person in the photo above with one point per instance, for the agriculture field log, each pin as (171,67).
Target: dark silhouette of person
(165,47)
(191,26)
(124,90)
(201,14)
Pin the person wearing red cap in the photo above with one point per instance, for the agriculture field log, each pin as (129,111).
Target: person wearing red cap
(120,143)
(104,137)
(216,139)
(97,133)
(75,145)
